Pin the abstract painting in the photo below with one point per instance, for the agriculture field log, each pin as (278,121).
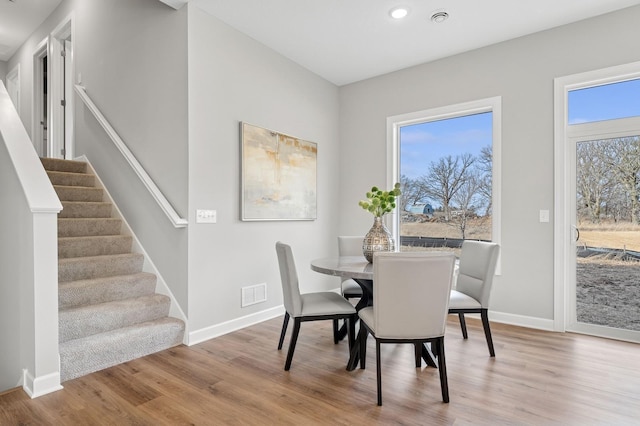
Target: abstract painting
(278,176)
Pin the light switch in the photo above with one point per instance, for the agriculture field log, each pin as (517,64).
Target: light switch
(206,216)
(544,216)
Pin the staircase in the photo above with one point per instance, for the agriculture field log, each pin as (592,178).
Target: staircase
(109,312)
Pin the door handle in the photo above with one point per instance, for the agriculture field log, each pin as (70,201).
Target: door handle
(577,232)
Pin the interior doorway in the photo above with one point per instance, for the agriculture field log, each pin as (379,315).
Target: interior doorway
(39,128)
(53,71)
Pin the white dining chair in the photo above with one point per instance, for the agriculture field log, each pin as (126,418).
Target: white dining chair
(350,246)
(309,306)
(477,267)
(410,304)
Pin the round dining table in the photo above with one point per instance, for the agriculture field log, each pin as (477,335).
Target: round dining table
(355,267)
(361,271)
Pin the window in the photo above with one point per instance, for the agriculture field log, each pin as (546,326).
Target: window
(447,161)
(590,104)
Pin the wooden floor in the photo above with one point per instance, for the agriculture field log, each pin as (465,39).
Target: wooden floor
(238,379)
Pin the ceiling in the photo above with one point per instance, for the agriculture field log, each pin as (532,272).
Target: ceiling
(345,41)
(18,19)
(350,40)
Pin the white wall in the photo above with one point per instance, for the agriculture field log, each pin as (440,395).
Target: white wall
(132,56)
(233,78)
(522,72)
(13,222)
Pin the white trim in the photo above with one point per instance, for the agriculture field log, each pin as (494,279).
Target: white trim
(37,129)
(226,327)
(36,387)
(564,250)
(609,129)
(217,330)
(167,208)
(521,320)
(494,105)
(148,266)
(605,332)
(69,130)
(176,4)
(61,125)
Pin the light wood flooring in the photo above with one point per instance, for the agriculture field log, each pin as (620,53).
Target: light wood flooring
(536,378)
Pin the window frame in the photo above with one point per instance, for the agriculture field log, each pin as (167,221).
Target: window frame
(396,122)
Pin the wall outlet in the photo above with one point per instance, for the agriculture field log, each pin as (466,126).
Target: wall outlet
(544,216)
(253,294)
(206,216)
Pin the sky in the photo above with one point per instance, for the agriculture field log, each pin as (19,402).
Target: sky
(616,100)
(421,144)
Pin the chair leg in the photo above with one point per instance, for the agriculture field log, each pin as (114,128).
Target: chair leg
(417,347)
(379,372)
(428,354)
(463,325)
(362,345)
(292,343)
(351,330)
(442,366)
(284,329)
(484,314)
(336,337)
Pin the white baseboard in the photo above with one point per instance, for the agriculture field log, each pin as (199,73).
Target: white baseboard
(35,387)
(521,320)
(213,331)
(207,333)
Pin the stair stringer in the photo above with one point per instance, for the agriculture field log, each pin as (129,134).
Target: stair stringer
(148,266)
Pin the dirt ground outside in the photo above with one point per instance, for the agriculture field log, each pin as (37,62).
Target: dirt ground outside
(607,291)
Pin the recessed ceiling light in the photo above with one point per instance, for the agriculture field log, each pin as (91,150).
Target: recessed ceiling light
(439,17)
(398,12)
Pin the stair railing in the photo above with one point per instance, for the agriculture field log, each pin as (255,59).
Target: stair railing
(162,201)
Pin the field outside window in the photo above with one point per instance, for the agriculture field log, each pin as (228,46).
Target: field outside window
(448,179)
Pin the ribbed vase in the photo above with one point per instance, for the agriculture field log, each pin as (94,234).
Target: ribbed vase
(377,239)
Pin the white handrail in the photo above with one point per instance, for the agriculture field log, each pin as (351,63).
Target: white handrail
(171,213)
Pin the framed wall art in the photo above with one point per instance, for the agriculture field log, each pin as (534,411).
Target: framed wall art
(278,175)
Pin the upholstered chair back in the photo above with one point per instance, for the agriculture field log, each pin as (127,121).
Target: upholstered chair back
(411,293)
(289,278)
(476,270)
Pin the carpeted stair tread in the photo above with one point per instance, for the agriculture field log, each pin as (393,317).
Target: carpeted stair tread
(86,226)
(82,321)
(71,179)
(77,209)
(55,164)
(78,193)
(83,356)
(105,289)
(82,268)
(93,245)
(109,312)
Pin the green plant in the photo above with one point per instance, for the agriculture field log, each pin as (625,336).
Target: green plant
(381,202)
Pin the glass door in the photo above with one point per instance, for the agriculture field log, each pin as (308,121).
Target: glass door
(605,298)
